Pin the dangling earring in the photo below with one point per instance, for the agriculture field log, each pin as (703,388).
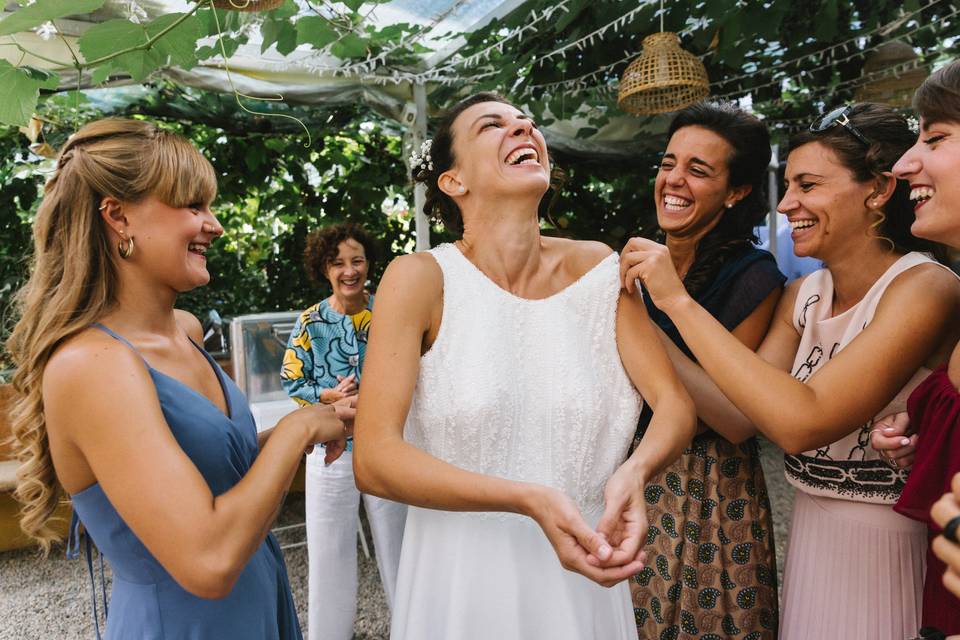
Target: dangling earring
(125,251)
(729,205)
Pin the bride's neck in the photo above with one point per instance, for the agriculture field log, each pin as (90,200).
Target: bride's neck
(504,244)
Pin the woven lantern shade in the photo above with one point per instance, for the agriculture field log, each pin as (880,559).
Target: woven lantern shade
(247,5)
(890,86)
(663,78)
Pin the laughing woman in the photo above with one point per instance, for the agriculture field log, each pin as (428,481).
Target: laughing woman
(121,408)
(502,377)
(713,566)
(323,365)
(931,167)
(841,351)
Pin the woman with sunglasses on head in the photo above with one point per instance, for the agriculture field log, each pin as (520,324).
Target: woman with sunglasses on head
(930,168)
(504,380)
(712,563)
(119,407)
(841,350)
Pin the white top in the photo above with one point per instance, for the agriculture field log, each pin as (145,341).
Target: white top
(528,390)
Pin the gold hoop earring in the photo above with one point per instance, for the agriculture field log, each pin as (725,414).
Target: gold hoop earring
(125,251)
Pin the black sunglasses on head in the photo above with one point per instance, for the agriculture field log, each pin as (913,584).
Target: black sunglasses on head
(840,116)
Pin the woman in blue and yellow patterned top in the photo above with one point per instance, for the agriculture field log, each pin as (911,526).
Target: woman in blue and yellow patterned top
(323,364)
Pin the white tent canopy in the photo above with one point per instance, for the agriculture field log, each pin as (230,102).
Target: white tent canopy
(308,76)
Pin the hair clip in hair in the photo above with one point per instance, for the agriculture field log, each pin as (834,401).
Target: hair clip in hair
(421,160)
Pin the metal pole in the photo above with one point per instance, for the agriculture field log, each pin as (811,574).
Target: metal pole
(774,196)
(419,134)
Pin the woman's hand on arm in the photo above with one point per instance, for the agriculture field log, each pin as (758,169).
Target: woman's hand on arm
(890,348)
(203,541)
(409,311)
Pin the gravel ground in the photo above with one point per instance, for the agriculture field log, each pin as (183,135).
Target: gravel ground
(50,598)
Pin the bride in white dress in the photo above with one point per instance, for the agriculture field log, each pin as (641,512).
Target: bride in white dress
(503,375)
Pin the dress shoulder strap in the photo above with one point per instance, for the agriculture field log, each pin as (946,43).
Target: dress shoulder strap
(116,336)
(905,263)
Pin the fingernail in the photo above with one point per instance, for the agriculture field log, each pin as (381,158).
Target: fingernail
(905,441)
(604,552)
(888,429)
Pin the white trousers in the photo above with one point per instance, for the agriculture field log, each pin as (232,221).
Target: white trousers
(332,503)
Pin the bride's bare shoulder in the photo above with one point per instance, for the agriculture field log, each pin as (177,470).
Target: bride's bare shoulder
(578,256)
(416,274)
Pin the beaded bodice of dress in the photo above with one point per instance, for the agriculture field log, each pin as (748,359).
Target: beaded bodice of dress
(529,390)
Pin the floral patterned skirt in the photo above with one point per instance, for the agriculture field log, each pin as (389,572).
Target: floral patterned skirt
(711,572)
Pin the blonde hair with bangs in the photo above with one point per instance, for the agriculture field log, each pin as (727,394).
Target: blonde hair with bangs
(73,274)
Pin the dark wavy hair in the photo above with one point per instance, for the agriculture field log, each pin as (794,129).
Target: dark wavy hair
(323,245)
(438,206)
(890,136)
(749,140)
(938,98)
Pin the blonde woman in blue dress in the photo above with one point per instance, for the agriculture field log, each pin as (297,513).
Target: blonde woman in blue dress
(121,409)
(501,394)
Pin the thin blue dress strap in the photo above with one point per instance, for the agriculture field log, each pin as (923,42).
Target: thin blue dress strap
(110,332)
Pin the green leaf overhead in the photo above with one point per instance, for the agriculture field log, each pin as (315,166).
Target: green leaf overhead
(349,46)
(279,32)
(176,47)
(108,37)
(180,43)
(315,31)
(44,10)
(21,88)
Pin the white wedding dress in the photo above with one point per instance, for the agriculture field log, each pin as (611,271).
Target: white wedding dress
(530,390)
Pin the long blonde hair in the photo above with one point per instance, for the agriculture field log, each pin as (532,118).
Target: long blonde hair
(73,275)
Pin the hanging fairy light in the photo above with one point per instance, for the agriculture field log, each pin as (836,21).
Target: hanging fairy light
(663,78)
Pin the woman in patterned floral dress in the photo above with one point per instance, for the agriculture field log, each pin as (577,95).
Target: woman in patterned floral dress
(712,569)
(322,364)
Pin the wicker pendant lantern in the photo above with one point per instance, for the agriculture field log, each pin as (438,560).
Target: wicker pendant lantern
(663,78)
(247,5)
(896,73)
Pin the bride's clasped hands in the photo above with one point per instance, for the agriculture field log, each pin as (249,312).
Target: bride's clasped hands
(610,553)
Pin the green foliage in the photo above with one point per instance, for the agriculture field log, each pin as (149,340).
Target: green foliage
(43,11)
(273,191)
(21,88)
(175,36)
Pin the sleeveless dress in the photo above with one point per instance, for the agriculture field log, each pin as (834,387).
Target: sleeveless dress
(934,409)
(146,603)
(712,570)
(533,391)
(854,566)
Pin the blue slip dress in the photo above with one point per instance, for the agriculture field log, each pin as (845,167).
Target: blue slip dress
(146,602)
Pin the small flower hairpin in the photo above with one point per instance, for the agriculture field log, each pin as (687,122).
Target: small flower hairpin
(421,160)
(913,123)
